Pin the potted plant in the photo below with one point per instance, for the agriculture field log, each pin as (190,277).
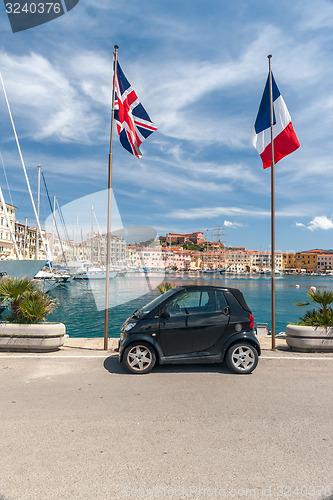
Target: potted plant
(315,329)
(25,325)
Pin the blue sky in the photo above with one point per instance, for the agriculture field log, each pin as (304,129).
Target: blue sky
(199,68)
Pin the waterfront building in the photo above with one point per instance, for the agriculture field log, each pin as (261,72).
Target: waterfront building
(95,249)
(177,258)
(131,256)
(149,258)
(25,238)
(197,238)
(64,249)
(300,262)
(159,258)
(6,243)
(289,261)
(306,261)
(324,261)
(240,260)
(262,261)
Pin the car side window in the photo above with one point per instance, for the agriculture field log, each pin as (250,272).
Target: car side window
(192,302)
(221,301)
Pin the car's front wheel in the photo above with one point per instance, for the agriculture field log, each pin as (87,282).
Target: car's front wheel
(139,357)
(242,358)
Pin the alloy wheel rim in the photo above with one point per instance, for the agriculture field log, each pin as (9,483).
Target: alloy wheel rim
(139,358)
(243,358)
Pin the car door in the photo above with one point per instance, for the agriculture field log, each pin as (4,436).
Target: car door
(209,320)
(176,337)
(197,321)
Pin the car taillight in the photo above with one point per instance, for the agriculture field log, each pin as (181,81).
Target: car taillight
(251,318)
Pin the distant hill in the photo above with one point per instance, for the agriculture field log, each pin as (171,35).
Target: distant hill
(317,250)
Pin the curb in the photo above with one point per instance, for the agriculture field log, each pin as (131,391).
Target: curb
(80,347)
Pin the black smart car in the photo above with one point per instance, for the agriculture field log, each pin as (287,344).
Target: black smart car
(191,324)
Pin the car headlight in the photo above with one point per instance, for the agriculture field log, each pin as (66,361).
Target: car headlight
(129,327)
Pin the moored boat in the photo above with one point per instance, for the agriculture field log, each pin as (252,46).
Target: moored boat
(21,268)
(95,273)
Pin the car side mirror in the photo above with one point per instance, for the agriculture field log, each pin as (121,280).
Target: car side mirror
(164,313)
(226,311)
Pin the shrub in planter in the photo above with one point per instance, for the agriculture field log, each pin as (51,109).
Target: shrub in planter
(322,316)
(315,329)
(28,305)
(25,326)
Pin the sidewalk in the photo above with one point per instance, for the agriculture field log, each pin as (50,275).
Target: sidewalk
(94,347)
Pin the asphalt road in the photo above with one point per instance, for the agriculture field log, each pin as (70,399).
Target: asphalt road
(80,428)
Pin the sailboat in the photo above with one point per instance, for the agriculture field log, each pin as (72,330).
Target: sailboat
(88,269)
(95,273)
(20,267)
(215,272)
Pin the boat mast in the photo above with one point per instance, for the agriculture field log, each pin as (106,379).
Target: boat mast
(92,232)
(73,245)
(23,165)
(53,222)
(54,219)
(77,237)
(38,204)
(212,251)
(83,252)
(25,237)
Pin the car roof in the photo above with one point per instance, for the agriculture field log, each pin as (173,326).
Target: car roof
(180,287)
(236,292)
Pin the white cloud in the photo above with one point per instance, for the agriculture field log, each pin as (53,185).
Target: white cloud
(316,15)
(229,224)
(69,103)
(46,100)
(321,222)
(207,212)
(203,212)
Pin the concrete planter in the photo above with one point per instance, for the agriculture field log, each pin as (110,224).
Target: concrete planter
(40,337)
(305,337)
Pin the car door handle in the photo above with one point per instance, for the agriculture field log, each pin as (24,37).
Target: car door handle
(226,311)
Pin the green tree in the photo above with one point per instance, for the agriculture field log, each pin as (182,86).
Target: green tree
(27,304)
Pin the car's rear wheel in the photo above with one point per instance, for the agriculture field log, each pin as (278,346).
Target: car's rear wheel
(242,358)
(139,358)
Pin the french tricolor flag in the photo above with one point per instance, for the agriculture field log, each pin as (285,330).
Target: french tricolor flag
(284,138)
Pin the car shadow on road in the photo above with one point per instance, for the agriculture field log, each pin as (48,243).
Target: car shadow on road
(112,365)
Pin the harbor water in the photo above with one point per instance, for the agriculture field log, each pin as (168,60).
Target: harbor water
(79,306)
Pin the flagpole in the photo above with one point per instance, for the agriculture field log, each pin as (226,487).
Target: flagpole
(108,231)
(272,206)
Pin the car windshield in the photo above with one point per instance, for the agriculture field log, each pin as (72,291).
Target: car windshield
(154,303)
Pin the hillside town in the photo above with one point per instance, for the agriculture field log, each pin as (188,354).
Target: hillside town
(174,251)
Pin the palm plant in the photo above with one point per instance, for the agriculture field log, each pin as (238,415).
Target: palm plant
(28,304)
(165,287)
(322,316)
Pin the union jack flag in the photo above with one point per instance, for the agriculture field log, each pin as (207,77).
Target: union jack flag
(133,122)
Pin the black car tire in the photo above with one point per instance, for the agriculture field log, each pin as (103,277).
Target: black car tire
(242,358)
(139,358)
